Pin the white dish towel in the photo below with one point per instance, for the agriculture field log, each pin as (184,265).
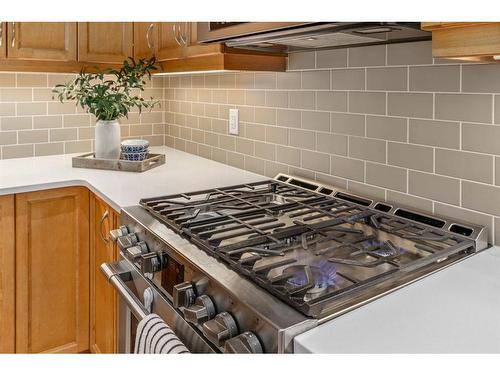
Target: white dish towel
(154,336)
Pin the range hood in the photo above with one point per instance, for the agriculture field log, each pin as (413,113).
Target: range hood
(295,36)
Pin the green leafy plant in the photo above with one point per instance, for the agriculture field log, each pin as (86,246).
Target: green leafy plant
(110,94)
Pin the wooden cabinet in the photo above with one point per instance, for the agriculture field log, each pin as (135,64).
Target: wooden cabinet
(179,51)
(70,46)
(145,39)
(7,275)
(41,40)
(105,42)
(465,40)
(52,271)
(103,306)
(3,39)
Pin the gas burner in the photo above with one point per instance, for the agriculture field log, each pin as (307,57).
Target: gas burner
(314,278)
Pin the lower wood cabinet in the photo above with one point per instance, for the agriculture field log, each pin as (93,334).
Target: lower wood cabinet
(52,271)
(7,275)
(103,306)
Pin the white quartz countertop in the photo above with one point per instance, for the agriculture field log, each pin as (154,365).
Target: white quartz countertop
(181,173)
(456,310)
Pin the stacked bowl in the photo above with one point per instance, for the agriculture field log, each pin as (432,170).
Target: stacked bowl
(135,149)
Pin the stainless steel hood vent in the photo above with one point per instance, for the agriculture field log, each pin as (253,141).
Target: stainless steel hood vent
(291,37)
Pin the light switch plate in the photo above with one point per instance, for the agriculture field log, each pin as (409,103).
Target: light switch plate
(234,126)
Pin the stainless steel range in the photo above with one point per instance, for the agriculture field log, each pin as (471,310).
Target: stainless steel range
(246,268)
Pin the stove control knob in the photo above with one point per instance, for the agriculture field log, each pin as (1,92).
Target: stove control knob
(119,232)
(202,310)
(183,295)
(151,263)
(247,343)
(124,242)
(134,253)
(220,329)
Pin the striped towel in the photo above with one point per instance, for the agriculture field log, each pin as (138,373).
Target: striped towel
(154,336)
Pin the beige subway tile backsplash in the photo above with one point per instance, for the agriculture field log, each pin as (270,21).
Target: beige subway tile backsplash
(410,156)
(466,165)
(387,79)
(367,149)
(410,104)
(389,128)
(440,78)
(439,188)
(387,121)
(464,107)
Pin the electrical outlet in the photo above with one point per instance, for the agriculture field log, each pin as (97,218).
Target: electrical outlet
(234,126)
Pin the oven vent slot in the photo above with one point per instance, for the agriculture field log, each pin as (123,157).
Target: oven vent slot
(303,184)
(353,199)
(419,218)
(460,229)
(282,178)
(382,207)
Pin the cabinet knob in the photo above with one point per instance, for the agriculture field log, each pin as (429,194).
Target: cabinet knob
(247,342)
(202,310)
(220,329)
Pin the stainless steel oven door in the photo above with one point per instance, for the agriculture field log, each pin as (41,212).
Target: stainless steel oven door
(138,297)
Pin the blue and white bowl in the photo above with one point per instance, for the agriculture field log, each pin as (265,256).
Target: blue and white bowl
(134,156)
(134,145)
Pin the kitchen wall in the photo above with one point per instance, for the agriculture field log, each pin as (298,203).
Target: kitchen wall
(34,124)
(384,121)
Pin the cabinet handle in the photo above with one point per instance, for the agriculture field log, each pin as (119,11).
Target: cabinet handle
(13,40)
(150,28)
(182,37)
(174,30)
(104,239)
(1,34)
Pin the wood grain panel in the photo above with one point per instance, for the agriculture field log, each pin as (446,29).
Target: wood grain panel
(7,275)
(3,40)
(469,41)
(103,299)
(42,40)
(52,271)
(105,42)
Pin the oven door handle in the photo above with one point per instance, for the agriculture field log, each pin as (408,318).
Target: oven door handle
(133,303)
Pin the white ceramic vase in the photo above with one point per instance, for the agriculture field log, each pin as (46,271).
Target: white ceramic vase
(107,139)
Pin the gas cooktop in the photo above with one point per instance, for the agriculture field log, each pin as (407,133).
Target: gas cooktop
(310,244)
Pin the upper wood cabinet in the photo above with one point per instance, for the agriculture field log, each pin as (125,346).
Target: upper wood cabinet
(145,39)
(465,40)
(103,299)
(41,40)
(52,271)
(7,275)
(105,42)
(70,46)
(3,40)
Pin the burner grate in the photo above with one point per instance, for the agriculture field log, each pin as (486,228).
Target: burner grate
(276,234)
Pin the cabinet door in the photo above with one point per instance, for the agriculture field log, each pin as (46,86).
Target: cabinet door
(105,42)
(103,303)
(169,43)
(145,39)
(41,40)
(52,271)
(7,274)
(193,48)
(3,40)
